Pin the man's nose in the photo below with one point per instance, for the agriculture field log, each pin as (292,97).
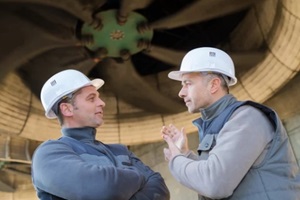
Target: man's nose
(182,93)
(101,103)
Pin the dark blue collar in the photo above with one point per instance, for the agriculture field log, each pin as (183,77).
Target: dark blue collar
(87,134)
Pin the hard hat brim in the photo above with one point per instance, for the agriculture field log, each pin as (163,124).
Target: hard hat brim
(97,83)
(177,76)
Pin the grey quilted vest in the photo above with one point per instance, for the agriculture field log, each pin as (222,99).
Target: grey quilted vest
(276,178)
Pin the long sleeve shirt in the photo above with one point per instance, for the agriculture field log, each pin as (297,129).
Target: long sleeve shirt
(79,167)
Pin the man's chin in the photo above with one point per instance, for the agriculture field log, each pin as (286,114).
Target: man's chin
(98,124)
(193,111)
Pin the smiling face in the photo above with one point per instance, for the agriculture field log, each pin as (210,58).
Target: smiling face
(196,91)
(86,110)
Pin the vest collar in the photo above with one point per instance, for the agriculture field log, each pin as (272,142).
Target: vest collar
(216,108)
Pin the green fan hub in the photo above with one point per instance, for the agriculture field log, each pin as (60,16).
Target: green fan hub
(114,37)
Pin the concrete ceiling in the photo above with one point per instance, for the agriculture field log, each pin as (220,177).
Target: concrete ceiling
(40,38)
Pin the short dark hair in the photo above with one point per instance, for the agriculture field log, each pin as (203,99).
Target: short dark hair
(224,79)
(69,98)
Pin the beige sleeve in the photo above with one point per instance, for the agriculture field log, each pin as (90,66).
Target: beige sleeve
(242,141)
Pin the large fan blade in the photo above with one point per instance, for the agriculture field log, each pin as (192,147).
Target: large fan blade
(26,34)
(17,165)
(242,60)
(129,86)
(5,187)
(81,9)
(169,56)
(130,5)
(245,60)
(201,10)
(52,62)
(17,172)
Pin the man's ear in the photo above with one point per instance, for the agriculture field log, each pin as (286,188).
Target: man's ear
(66,109)
(215,85)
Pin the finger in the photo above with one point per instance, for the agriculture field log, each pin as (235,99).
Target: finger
(170,142)
(174,129)
(166,133)
(166,137)
(179,142)
(163,129)
(183,132)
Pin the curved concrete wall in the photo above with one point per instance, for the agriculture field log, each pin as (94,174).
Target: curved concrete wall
(272,24)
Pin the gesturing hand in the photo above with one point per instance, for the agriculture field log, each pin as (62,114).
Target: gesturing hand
(176,140)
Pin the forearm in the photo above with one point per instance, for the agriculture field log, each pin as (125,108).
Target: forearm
(202,176)
(154,189)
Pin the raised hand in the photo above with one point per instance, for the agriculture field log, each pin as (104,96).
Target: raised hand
(176,139)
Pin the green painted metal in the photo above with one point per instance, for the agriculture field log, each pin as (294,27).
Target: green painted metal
(2,163)
(115,37)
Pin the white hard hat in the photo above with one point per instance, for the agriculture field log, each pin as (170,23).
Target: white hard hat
(62,84)
(206,59)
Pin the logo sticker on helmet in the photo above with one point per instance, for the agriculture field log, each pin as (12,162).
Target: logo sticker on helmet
(212,54)
(53,83)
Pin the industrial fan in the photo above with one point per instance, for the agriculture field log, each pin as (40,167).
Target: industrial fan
(119,41)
